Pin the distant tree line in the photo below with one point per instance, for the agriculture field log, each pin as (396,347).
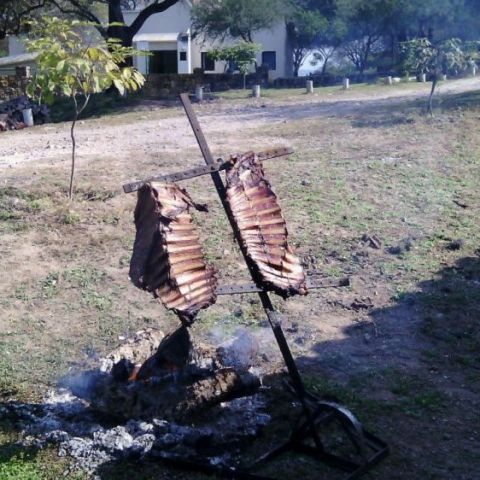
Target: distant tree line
(367,33)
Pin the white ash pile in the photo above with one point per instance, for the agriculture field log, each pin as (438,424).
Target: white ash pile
(215,433)
(11,116)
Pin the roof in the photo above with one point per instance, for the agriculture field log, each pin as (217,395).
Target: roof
(156,37)
(17,59)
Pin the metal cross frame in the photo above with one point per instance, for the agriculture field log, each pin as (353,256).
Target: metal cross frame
(306,438)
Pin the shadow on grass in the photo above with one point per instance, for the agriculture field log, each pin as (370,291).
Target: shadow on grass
(110,103)
(368,112)
(410,372)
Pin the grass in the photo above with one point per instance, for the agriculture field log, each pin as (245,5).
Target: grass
(65,295)
(29,463)
(299,94)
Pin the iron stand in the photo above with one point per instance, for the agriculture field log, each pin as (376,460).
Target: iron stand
(306,438)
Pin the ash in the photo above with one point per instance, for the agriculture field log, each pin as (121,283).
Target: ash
(92,439)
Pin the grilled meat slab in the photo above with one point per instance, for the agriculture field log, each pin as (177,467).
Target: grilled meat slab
(262,227)
(167,258)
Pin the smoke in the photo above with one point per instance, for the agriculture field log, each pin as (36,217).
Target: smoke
(245,348)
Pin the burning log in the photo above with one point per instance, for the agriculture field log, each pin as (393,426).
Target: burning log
(175,383)
(262,227)
(167,257)
(174,396)
(172,354)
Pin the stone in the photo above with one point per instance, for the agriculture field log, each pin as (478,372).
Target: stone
(114,440)
(143,443)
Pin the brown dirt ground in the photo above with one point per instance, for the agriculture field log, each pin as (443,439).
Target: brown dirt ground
(399,346)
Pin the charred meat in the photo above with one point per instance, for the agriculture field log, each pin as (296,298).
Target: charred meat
(262,227)
(167,257)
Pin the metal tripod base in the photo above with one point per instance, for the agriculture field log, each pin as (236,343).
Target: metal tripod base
(368,450)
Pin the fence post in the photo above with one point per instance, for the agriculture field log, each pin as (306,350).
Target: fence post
(199,93)
(256,91)
(309,86)
(422,77)
(346,83)
(388,80)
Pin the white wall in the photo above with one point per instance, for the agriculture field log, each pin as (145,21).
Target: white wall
(173,20)
(177,19)
(15,47)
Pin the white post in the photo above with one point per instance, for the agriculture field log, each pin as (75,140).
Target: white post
(473,69)
(256,91)
(422,77)
(444,77)
(388,80)
(346,83)
(309,86)
(27,117)
(199,93)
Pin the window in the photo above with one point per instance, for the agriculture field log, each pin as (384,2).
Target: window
(208,64)
(270,59)
(183,56)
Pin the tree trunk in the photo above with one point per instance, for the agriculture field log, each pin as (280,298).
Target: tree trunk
(115,15)
(324,66)
(72,136)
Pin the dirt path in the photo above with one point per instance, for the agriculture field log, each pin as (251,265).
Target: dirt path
(399,346)
(144,133)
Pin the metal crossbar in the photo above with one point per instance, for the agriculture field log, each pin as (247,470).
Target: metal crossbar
(252,287)
(216,166)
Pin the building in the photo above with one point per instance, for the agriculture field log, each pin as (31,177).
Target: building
(168,37)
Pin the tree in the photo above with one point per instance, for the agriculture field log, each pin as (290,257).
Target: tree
(235,18)
(366,21)
(422,56)
(243,55)
(71,65)
(87,10)
(303,32)
(14,12)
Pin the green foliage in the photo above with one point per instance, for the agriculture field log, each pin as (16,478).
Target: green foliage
(236,18)
(422,56)
(13,14)
(243,54)
(20,468)
(303,32)
(72,63)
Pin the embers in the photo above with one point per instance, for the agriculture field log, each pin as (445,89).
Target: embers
(172,355)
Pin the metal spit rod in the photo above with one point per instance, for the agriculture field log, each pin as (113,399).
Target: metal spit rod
(274,318)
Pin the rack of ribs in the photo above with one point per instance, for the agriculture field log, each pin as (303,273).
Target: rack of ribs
(262,227)
(167,258)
